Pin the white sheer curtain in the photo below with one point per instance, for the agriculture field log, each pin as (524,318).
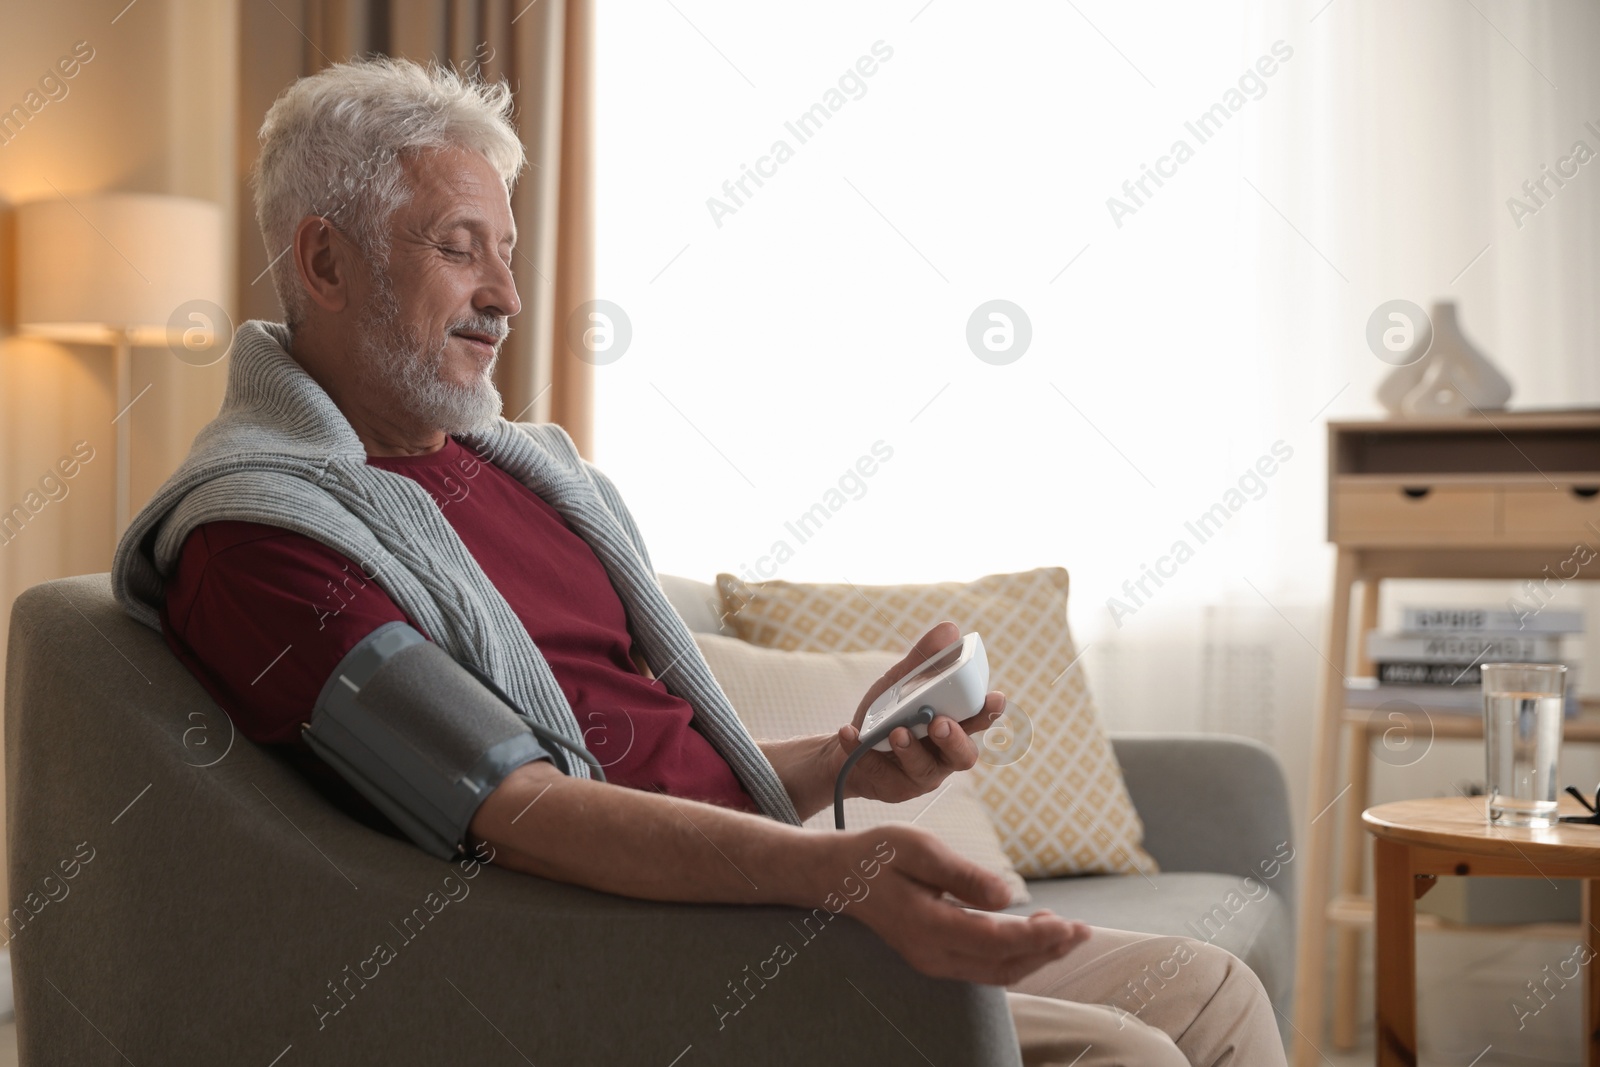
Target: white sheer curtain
(1363,151)
(1396,153)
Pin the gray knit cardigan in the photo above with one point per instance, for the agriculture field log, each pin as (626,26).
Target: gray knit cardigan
(280,452)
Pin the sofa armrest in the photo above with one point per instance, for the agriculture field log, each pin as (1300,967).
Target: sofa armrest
(1211,803)
(219,909)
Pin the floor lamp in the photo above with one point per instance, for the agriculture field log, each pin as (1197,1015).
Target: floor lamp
(124,269)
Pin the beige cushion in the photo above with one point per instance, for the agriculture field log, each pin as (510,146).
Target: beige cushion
(794,694)
(696,602)
(1047,772)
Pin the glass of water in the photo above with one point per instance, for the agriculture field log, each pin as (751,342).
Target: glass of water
(1522,710)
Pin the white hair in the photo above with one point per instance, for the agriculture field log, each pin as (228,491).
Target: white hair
(332,145)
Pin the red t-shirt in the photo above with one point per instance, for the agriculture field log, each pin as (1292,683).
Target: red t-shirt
(261,616)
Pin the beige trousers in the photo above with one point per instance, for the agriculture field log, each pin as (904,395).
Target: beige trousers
(1122,999)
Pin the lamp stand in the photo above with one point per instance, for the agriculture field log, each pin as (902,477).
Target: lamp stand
(122,370)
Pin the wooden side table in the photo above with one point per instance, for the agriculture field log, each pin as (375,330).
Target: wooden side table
(1504,495)
(1416,841)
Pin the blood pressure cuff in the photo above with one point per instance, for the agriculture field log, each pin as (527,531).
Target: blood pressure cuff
(419,736)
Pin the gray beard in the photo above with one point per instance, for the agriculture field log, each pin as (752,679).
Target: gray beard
(396,360)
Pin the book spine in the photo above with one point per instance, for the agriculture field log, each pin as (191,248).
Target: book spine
(1461,648)
(1445,620)
(1409,673)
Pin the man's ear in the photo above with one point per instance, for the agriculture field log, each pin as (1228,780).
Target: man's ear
(322,258)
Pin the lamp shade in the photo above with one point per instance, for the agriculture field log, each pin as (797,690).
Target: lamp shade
(115,262)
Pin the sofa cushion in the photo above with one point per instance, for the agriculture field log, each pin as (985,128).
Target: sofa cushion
(1046,771)
(1246,916)
(698,603)
(794,694)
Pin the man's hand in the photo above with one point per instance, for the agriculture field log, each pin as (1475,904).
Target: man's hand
(915,765)
(808,766)
(903,902)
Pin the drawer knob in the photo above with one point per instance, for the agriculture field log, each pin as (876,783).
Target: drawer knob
(1585,492)
(1416,492)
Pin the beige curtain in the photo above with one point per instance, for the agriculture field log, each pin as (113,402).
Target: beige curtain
(544,49)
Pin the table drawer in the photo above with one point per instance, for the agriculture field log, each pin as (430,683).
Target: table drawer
(1413,515)
(1552,514)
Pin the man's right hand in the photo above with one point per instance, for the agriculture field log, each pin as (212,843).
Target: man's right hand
(904,903)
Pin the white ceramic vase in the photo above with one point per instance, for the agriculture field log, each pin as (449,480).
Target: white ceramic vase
(1452,378)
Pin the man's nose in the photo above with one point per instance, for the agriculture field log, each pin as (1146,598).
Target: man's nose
(498,294)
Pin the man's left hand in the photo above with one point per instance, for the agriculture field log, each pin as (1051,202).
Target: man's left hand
(915,766)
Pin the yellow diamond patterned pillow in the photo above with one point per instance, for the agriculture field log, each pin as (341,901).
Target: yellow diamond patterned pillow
(1047,773)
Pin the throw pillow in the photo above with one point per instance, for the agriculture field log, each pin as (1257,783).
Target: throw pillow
(793,694)
(1046,771)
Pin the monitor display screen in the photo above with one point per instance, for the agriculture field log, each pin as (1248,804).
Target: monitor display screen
(931,669)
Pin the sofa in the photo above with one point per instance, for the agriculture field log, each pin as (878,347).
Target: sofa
(180,895)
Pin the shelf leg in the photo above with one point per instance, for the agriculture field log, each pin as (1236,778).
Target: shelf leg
(1352,864)
(1353,854)
(1311,943)
(1368,623)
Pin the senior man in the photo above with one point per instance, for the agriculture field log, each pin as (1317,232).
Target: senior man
(359,473)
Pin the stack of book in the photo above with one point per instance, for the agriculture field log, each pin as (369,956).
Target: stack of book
(1433,661)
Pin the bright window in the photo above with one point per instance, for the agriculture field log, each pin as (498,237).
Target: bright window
(795,328)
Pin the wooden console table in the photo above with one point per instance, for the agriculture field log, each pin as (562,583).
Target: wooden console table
(1497,496)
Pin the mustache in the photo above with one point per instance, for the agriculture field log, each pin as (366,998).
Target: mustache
(490,326)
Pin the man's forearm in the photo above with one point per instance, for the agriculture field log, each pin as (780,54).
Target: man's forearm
(649,845)
(896,878)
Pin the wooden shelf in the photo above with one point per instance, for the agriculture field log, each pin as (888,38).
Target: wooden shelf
(1536,479)
(1489,448)
(1357,911)
(1549,418)
(1466,725)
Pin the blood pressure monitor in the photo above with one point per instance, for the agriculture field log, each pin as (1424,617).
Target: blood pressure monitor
(952,682)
